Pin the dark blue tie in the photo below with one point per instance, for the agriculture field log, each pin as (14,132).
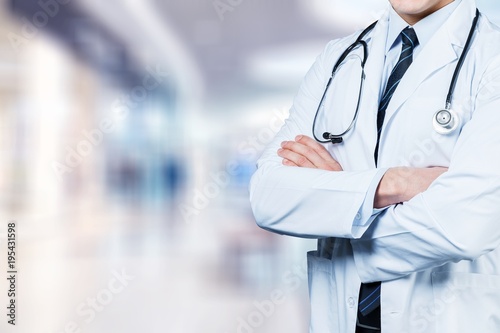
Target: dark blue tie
(369,295)
(410,41)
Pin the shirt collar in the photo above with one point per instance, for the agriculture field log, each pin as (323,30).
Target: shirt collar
(424,28)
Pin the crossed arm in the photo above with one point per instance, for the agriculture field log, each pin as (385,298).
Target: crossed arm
(399,184)
(448,215)
(435,238)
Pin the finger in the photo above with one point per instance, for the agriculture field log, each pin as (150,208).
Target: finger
(289,163)
(299,159)
(310,156)
(326,163)
(285,161)
(318,148)
(440,169)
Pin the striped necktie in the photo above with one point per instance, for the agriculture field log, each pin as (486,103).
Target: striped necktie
(410,41)
(369,296)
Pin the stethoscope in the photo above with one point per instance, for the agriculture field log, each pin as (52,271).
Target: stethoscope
(445,121)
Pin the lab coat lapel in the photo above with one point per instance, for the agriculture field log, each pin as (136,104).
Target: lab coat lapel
(375,63)
(449,41)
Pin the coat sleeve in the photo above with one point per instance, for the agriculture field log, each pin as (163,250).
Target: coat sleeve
(458,217)
(304,202)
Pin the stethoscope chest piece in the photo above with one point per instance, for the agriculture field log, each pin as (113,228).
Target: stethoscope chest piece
(445,121)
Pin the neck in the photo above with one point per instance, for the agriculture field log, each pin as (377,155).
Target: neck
(413,18)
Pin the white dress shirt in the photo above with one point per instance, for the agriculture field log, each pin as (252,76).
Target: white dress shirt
(424,29)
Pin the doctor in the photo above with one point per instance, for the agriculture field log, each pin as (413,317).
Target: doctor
(406,210)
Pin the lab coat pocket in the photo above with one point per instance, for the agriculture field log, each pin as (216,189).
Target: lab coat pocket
(466,302)
(321,293)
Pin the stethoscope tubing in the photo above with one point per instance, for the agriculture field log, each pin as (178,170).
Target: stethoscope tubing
(338,138)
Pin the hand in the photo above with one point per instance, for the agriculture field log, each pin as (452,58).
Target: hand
(307,153)
(402,184)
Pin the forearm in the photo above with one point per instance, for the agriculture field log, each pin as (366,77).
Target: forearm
(311,203)
(447,223)
(401,184)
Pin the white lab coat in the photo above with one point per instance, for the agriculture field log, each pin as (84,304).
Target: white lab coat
(437,255)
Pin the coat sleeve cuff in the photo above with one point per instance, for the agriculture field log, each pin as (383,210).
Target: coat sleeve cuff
(367,214)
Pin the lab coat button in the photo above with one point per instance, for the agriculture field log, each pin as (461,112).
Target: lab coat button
(351,302)
(358,216)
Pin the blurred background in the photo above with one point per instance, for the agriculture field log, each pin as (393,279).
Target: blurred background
(129,130)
